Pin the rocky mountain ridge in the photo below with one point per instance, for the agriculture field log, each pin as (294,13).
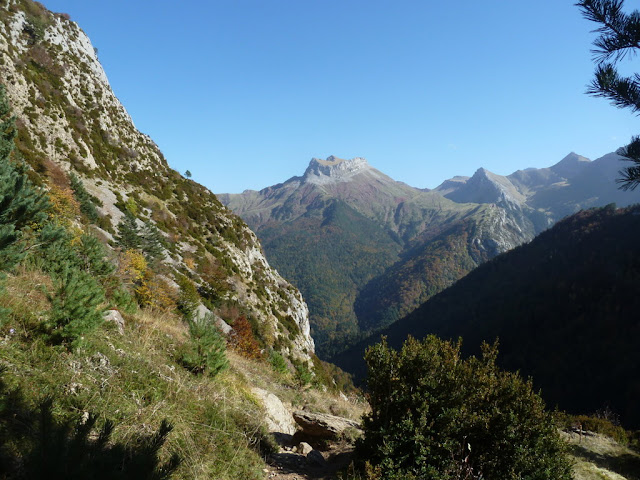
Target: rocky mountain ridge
(546,194)
(70,121)
(333,169)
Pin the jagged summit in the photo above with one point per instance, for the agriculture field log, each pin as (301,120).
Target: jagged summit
(334,169)
(485,187)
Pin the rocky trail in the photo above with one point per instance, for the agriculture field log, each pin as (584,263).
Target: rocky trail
(317,464)
(311,445)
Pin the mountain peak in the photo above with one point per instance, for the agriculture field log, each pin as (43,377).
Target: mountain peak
(570,165)
(334,169)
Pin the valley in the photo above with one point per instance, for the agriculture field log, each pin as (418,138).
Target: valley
(340,325)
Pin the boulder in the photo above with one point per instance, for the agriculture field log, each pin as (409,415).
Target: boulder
(321,425)
(304,448)
(278,418)
(314,457)
(116,317)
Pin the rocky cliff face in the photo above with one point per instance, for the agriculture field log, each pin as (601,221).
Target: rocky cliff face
(70,121)
(333,170)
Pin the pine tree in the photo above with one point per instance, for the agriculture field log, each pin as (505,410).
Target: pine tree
(84,199)
(206,350)
(75,307)
(152,241)
(129,233)
(21,204)
(619,37)
(92,257)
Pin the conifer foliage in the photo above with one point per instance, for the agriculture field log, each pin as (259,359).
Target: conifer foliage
(147,239)
(437,416)
(21,204)
(206,350)
(84,199)
(619,37)
(74,307)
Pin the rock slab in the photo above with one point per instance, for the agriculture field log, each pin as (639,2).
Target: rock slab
(322,425)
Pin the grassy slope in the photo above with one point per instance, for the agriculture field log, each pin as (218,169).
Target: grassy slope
(600,458)
(134,380)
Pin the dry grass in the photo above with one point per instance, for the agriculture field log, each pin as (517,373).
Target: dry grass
(260,374)
(25,294)
(151,322)
(601,458)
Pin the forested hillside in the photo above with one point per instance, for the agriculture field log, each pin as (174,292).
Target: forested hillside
(564,308)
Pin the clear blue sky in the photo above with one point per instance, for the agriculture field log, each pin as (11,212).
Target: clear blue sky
(244,92)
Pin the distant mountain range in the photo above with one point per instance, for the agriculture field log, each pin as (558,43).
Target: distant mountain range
(564,307)
(366,250)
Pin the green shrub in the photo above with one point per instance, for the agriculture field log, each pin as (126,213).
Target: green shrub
(278,363)
(123,300)
(189,299)
(304,376)
(596,424)
(74,307)
(437,416)
(205,351)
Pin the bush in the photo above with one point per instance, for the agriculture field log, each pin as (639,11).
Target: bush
(244,340)
(435,415)
(278,363)
(205,352)
(596,424)
(75,307)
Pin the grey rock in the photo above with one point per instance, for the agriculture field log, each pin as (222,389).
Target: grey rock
(321,425)
(116,317)
(304,448)
(278,418)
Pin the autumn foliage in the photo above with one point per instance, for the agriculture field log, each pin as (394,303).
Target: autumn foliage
(244,341)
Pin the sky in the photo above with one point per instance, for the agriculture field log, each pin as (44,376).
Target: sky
(243,93)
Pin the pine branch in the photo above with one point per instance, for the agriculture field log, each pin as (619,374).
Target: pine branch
(623,92)
(620,33)
(630,176)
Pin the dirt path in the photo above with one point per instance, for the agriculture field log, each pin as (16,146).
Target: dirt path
(289,465)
